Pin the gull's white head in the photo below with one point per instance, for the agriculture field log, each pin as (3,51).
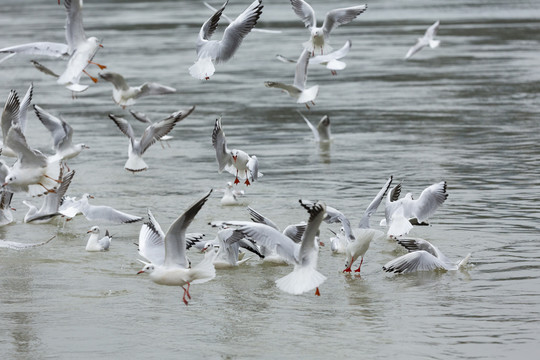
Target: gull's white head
(147,268)
(93,230)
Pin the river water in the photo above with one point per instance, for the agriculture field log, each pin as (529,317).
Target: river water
(466,112)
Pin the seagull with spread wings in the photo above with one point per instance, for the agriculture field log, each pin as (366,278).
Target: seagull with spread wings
(217,51)
(318,41)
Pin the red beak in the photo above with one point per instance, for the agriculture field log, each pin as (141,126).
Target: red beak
(140,272)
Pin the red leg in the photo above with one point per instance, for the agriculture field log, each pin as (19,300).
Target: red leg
(317,292)
(359,266)
(95,80)
(348,269)
(98,65)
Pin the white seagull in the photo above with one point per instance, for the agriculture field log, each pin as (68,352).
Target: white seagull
(152,133)
(81,49)
(331,61)
(49,210)
(236,162)
(294,232)
(231,196)
(61,133)
(174,268)
(229,20)
(298,89)
(33,172)
(6,216)
(305,276)
(214,51)
(334,18)
(125,95)
(426,40)
(94,242)
(321,133)
(14,112)
(422,256)
(142,117)
(401,212)
(96,212)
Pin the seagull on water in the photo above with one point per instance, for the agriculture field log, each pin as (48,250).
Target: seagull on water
(217,51)
(303,255)
(49,210)
(321,133)
(95,243)
(422,256)
(91,212)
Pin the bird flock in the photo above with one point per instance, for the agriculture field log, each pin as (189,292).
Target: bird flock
(35,174)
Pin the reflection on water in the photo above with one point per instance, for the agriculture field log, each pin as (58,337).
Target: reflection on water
(466,112)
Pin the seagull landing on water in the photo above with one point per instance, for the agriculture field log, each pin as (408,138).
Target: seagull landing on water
(174,269)
(318,42)
(217,51)
(426,40)
(236,162)
(400,213)
(422,256)
(298,89)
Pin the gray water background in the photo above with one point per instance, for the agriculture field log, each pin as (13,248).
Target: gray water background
(467,113)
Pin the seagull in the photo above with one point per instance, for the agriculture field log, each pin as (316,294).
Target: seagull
(142,117)
(61,133)
(125,95)
(51,204)
(426,40)
(331,61)
(294,232)
(14,112)
(14,245)
(305,276)
(236,162)
(213,51)
(422,256)
(152,239)
(230,196)
(152,133)
(173,269)
(6,216)
(81,49)
(298,89)
(321,133)
(334,18)
(229,20)
(227,249)
(400,212)
(97,212)
(364,235)
(354,242)
(94,243)
(33,172)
